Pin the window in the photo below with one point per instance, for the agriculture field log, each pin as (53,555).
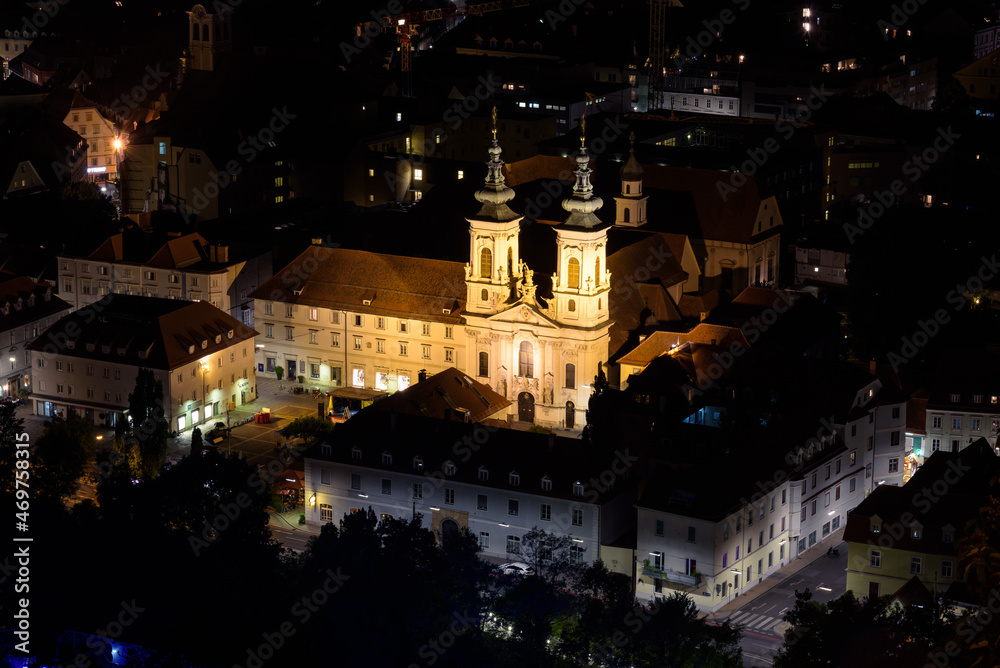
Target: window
(894,465)
(854,457)
(577,488)
(826,499)
(826,529)
(784,494)
(325,512)
(449,468)
(484,363)
(691,534)
(868,471)
(947,569)
(876,528)
(386,486)
(813,508)
(812,539)
(426,328)
(357,343)
(546,484)
(359,321)
(380,345)
(425,352)
(915,534)
(324,476)
(937,422)
(481,502)
(577,517)
(402,349)
(853,485)
(657,561)
(449,355)
(827,472)
(356,481)
(513,545)
(356,453)
(484,539)
(870,442)
(486,263)
(976,424)
(659,528)
(772,503)
(546,513)
(449,496)
(956,423)
(814,480)
(575,554)
(418,490)
(512,507)
(573,273)
(571,376)
(894,438)
(836,493)
(449,332)
(526,365)
(916,564)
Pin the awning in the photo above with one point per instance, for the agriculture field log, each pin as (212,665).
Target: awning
(357,393)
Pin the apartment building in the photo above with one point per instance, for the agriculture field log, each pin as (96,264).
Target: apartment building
(87,361)
(27,308)
(186,267)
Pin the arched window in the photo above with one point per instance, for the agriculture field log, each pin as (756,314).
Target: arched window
(571,306)
(628,189)
(571,376)
(510,261)
(486,295)
(484,364)
(597,272)
(573,278)
(627,215)
(205,34)
(486,263)
(194,32)
(526,367)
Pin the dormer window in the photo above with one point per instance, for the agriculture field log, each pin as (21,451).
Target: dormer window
(577,488)
(204,344)
(514,479)
(484,474)
(876,528)
(948,536)
(418,464)
(955,398)
(386,458)
(546,484)
(327,449)
(915,533)
(218,338)
(449,468)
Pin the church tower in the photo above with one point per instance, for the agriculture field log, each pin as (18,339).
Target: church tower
(209,36)
(582,281)
(494,260)
(631,204)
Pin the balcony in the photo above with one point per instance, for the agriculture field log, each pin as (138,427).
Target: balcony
(672,576)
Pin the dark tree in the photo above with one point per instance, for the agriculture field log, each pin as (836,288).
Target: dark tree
(148,426)
(197,444)
(61,455)
(10,426)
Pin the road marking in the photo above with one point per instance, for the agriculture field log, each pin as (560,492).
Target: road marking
(749,621)
(738,616)
(767,621)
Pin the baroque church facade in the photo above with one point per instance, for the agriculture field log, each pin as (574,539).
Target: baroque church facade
(539,353)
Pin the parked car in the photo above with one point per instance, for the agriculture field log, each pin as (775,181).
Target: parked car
(517,568)
(217,433)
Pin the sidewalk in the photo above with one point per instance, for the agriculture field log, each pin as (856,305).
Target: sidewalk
(289,521)
(790,569)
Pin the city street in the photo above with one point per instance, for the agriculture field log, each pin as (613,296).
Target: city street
(760,612)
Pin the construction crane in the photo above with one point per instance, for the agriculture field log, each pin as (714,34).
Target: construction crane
(657,46)
(406,25)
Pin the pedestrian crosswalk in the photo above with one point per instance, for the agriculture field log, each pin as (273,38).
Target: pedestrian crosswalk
(756,623)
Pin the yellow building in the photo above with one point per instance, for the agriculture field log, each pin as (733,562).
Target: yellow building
(103,143)
(898,533)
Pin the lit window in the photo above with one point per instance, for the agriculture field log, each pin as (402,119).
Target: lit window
(418,174)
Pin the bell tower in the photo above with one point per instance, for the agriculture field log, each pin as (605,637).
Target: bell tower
(494,258)
(209,36)
(631,203)
(582,281)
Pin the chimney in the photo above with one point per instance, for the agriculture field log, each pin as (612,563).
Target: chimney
(422,375)
(873,367)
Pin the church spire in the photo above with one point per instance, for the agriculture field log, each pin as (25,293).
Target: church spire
(583,203)
(495,195)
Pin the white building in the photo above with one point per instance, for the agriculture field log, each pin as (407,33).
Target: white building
(186,267)
(103,143)
(497,483)
(87,362)
(27,308)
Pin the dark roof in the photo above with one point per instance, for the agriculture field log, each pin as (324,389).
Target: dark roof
(393,285)
(470,446)
(23,301)
(143,331)
(445,395)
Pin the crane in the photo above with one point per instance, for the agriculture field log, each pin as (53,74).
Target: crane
(406,27)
